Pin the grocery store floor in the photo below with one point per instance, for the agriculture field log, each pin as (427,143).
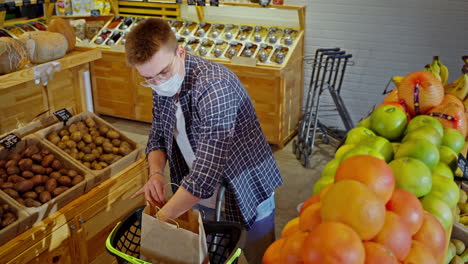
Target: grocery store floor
(298,181)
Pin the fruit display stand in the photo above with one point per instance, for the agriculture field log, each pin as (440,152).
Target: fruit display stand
(22,100)
(275,88)
(76,233)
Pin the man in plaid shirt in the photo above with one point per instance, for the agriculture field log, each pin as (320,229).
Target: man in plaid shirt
(205,125)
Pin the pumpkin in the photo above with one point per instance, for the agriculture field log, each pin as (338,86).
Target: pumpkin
(13,55)
(63,27)
(44,46)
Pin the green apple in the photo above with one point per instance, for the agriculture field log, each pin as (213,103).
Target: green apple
(389,122)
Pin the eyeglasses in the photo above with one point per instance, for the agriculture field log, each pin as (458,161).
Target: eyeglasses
(164,75)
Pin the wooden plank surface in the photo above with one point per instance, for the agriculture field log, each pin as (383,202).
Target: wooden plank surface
(70,60)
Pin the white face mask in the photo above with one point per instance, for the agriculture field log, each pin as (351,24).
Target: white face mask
(168,88)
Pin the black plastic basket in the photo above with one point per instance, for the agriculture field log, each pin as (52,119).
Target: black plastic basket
(224,240)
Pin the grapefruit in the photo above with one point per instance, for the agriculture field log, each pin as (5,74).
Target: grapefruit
(392,97)
(371,171)
(333,243)
(395,147)
(381,144)
(424,120)
(330,169)
(357,134)
(310,201)
(425,132)
(451,115)
(445,189)
(364,123)
(444,170)
(362,150)
(395,236)
(420,91)
(412,175)
(407,206)
(420,149)
(378,253)
(310,218)
(453,139)
(450,98)
(343,150)
(419,253)
(388,121)
(290,252)
(354,204)
(449,157)
(439,209)
(272,254)
(432,234)
(291,227)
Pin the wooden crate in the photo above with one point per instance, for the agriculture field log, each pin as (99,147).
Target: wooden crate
(77,232)
(41,212)
(23,222)
(97,176)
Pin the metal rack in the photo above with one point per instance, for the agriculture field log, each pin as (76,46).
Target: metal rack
(328,71)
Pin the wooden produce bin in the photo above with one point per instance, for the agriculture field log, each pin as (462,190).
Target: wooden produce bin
(77,232)
(21,100)
(23,221)
(275,88)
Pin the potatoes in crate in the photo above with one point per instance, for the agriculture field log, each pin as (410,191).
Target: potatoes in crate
(7,216)
(34,176)
(95,145)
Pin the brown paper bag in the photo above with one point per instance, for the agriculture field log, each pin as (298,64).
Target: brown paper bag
(165,243)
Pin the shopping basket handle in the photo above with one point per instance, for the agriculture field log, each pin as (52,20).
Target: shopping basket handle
(219,200)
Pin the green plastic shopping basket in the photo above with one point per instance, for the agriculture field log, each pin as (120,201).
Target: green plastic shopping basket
(224,240)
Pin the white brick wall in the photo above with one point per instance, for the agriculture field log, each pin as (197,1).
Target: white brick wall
(386,38)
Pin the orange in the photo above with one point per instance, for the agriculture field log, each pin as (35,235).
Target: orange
(291,249)
(395,236)
(432,234)
(373,172)
(450,98)
(419,254)
(291,227)
(451,115)
(324,191)
(333,243)
(354,204)
(378,254)
(310,218)
(391,97)
(310,201)
(272,254)
(407,206)
(420,91)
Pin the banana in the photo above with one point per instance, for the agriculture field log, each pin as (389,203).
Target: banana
(443,71)
(397,80)
(459,87)
(435,70)
(465,59)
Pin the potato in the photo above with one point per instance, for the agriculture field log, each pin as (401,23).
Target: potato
(77,179)
(59,190)
(100,150)
(11,163)
(24,186)
(116,158)
(45,152)
(72,173)
(55,175)
(45,196)
(37,169)
(37,158)
(48,170)
(47,160)
(15,178)
(92,146)
(81,125)
(27,174)
(80,145)
(52,135)
(94,133)
(55,140)
(12,170)
(124,150)
(2,164)
(96,166)
(31,150)
(65,181)
(32,203)
(72,128)
(87,138)
(103,164)
(13,194)
(8,219)
(70,144)
(80,155)
(39,189)
(107,158)
(31,195)
(98,140)
(25,164)
(20,201)
(56,164)
(50,185)
(74,155)
(14,156)
(95,152)
(63,171)
(89,157)
(7,185)
(61,145)
(45,178)
(65,139)
(87,164)
(115,150)
(37,179)
(112,134)
(116,142)
(87,150)
(90,122)
(63,133)
(103,129)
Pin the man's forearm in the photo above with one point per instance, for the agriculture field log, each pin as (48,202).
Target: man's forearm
(156,161)
(181,202)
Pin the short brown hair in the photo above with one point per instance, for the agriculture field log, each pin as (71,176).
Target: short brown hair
(146,39)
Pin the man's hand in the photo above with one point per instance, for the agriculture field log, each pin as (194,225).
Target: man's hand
(154,190)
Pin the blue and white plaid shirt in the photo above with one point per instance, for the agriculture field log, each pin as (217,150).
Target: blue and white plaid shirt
(225,134)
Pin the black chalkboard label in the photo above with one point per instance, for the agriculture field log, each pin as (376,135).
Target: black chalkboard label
(191,2)
(63,115)
(201,2)
(9,141)
(463,165)
(214,2)
(95,13)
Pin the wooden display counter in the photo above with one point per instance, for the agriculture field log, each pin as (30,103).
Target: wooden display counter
(21,100)
(77,232)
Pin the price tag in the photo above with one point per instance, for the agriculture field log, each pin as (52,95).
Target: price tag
(191,2)
(63,115)
(9,141)
(214,2)
(201,3)
(463,165)
(95,13)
